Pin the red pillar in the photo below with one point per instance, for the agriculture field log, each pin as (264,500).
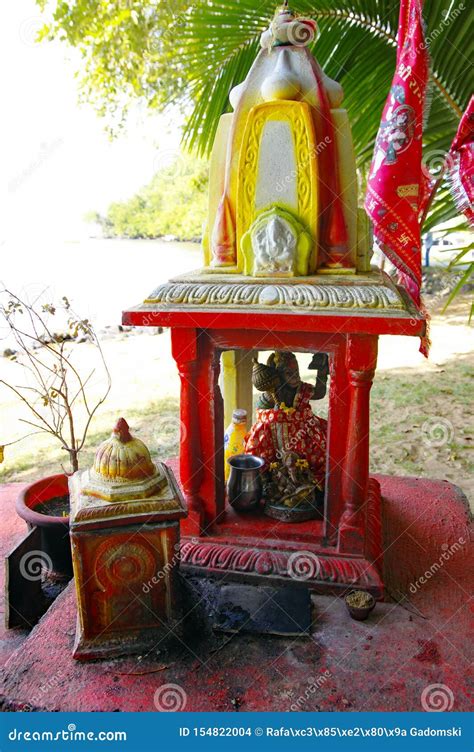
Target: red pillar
(361,361)
(339,402)
(185,353)
(211,421)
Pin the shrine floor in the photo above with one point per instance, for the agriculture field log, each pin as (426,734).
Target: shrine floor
(383,664)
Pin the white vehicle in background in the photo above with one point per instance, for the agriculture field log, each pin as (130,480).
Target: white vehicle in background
(442,247)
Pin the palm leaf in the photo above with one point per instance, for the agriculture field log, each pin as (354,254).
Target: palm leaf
(464,279)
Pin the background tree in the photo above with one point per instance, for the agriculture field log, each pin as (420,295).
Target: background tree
(174,203)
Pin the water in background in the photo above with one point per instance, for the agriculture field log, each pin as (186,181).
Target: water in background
(100,277)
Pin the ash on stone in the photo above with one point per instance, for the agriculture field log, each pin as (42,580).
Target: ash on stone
(284,611)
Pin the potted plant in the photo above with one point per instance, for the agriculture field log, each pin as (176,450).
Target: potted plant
(54,390)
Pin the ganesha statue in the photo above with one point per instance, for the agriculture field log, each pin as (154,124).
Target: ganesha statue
(289,436)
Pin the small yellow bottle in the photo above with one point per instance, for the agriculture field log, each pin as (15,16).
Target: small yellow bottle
(234,438)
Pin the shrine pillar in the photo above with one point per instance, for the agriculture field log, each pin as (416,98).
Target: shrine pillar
(361,361)
(184,349)
(211,411)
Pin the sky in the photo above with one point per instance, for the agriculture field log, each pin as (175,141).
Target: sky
(57,162)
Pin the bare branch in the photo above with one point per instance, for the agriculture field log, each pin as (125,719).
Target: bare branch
(46,358)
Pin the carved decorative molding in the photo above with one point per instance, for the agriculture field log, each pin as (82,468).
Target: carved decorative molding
(317,571)
(300,297)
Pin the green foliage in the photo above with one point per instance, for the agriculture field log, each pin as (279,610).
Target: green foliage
(125,50)
(193,53)
(466,268)
(173,203)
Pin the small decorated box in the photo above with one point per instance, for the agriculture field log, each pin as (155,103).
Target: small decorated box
(125,515)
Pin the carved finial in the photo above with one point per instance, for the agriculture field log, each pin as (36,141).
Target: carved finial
(123,431)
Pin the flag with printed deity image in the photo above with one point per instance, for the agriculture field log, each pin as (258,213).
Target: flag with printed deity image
(398,186)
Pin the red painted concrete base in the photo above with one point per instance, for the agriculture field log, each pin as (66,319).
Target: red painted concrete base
(384,663)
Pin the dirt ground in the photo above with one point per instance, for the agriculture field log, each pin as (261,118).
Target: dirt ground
(422,410)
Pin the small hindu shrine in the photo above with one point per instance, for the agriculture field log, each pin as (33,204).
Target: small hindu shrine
(286,270)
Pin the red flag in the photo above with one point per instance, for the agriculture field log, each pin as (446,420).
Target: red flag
(397,185)
(461,164)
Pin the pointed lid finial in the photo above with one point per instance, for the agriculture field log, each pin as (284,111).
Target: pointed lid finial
(122,457)
(122,431)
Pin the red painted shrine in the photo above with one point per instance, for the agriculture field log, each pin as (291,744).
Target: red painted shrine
(287,267)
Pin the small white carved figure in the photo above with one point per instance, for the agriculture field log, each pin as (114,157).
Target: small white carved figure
(274,246)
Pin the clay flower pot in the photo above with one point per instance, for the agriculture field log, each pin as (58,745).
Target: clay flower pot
(359,604)
(32,506)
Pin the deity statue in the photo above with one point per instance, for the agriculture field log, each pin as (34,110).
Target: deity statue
(289,436)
